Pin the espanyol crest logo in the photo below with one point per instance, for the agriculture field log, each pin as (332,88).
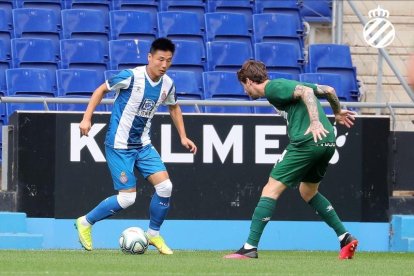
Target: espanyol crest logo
(379,32)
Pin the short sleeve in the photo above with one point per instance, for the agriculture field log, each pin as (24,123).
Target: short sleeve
(171,98)
(120,81)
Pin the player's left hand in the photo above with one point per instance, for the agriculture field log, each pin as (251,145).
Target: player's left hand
(317,130)
(189,145)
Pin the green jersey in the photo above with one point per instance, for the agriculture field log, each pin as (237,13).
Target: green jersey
(279,93)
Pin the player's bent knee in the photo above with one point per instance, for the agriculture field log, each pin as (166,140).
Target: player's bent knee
(164,189)
(126,199)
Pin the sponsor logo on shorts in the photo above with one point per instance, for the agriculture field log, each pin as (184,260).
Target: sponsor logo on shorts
(123,178)
(266,219)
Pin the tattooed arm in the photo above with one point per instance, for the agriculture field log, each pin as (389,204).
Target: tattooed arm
(342,116)
(307,95)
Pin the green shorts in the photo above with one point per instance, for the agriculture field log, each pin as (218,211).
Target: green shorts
(302,164)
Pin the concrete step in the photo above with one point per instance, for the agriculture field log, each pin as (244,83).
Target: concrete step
(12,222)
(20,241)
(402,233)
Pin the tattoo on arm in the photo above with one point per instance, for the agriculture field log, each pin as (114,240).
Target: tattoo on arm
(331,97)
(308,97)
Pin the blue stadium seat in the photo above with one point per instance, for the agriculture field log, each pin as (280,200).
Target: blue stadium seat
(335,59)
(56,5)
(78,82)
(222,26)
(35,52)
(329,56)
(195,6)
(128,53)
(189,56)
(30,81)
(277,27)
(244,7)
(227,56)
(132,25)
(186,83)
(77,53)
(317,11)
(180,25)
(102,5)
(38,23)
(291,7)
(7,5)
(85,23)
(277,75)
(150,6)
(222,85)
(5,57)
(264,6)
(6,24)
(282,57)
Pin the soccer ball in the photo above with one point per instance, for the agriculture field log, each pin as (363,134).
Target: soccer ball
(133,240)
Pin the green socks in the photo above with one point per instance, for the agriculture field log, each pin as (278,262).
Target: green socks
(261,217)
(325,210)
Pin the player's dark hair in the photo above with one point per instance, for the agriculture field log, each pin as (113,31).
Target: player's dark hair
(254,71)
(162,44)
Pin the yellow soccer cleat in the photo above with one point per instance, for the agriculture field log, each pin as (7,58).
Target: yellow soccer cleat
(160,244)
(85,234)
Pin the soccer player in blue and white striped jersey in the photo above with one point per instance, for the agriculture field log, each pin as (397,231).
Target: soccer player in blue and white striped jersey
(139,92)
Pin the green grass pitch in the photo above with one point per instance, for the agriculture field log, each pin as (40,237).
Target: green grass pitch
(112,262)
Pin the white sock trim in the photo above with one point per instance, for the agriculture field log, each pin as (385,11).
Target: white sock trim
(126,199)
(152,233)
(164,189)
(84,221)
(248,246)
(341,237)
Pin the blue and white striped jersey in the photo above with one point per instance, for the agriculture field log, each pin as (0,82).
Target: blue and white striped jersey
(137,98)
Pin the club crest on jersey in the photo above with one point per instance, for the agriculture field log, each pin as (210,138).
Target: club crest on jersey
(123,178)
(146,107)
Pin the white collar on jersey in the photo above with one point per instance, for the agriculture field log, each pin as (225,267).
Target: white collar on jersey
(150,80)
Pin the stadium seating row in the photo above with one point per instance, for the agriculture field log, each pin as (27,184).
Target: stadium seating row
(221,85)
(94,24)
(189,56)
(319,11)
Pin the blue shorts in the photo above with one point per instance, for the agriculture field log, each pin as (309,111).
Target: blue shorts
(121,163)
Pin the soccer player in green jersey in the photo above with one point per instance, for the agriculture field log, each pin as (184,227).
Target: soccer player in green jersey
(304,162)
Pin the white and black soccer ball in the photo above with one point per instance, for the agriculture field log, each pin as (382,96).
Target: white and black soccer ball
(133,240)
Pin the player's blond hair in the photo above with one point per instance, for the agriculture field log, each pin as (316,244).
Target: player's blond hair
(254,71)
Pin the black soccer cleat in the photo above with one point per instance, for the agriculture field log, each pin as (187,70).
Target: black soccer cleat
(243,253)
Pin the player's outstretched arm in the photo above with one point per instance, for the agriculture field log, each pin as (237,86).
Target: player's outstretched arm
(177,117)
(307,95)
(342,116)
(86,123)
(330,94)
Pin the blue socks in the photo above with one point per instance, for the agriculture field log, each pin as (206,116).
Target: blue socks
(158,211)
(108,207)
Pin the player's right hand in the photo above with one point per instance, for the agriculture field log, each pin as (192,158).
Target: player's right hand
(85,127)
